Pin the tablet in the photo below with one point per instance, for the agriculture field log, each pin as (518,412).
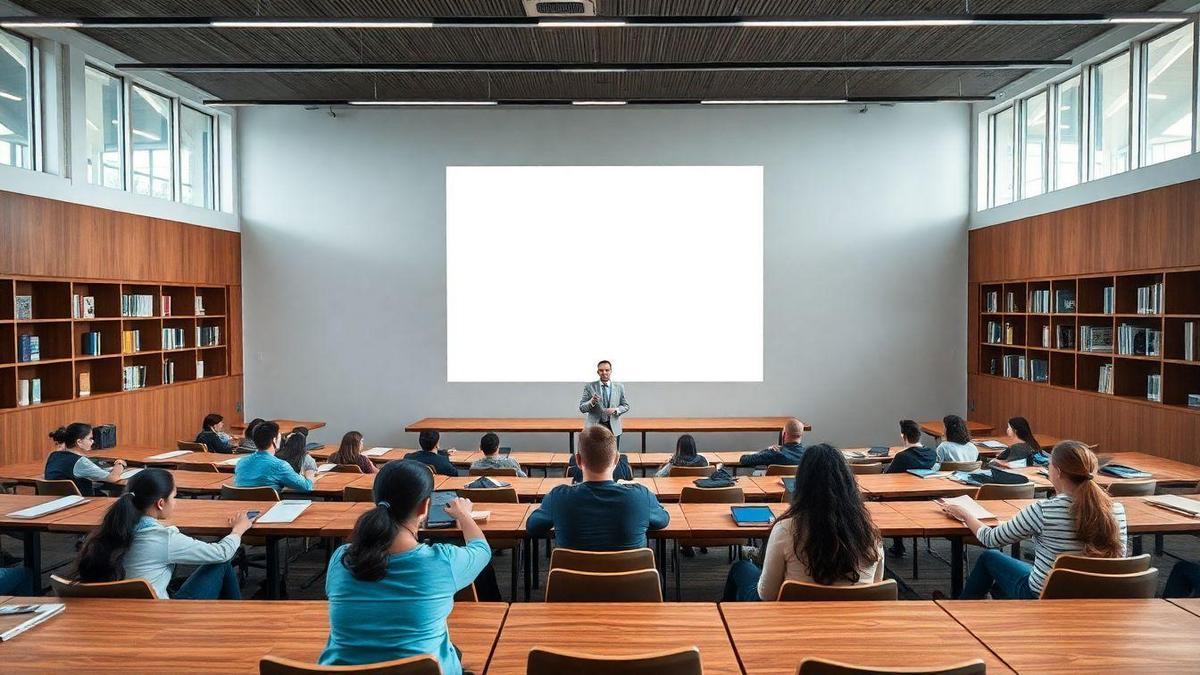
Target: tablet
(752,516)
(437,509)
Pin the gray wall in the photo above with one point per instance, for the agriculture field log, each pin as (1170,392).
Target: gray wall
(865,262)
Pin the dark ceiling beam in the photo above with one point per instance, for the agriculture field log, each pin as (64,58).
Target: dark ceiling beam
(1018,64)
(321,103)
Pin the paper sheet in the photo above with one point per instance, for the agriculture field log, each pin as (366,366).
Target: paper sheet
(973,507)
(326,467)
(285,511)
(376,452)
(169,455)
(49,507)
(130,473)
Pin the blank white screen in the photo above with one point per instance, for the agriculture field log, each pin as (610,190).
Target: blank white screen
(656,268)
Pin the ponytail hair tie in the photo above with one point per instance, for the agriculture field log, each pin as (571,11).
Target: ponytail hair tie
(383,505)
(1088,476)
(131,494)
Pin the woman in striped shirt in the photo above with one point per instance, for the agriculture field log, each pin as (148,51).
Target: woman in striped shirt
(1080,519)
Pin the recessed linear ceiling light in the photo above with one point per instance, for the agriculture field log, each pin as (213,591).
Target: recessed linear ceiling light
(266,23)
(11,97)
(775,101)
(598,102)
(451,103)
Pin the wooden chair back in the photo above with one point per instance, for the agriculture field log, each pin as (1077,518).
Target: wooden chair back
(997,491)
(1068,584)
(602,561)
(781,470)
(1132,488)
(467,594)
(191,446)
(691,494)
(546,661)
(205,467)
(866,469)
(346,468)
(493,471)
(56,488)
(358,493)
(815,666)
(1138,563)
(697,471)
(132,589)
(801,591)
(413,665)
(501,495)
(960,466)
(574,586)
(249,494)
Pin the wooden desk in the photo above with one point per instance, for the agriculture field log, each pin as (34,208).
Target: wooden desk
(1165,471)
(329,485)
(613,630)
(670,488)
(912,633)
(506,522)
(29,530)
(1084,636)
(210,635)
(1190,604)
(285,425)
(907,486)
(937,429)
(527,459)
(528,489)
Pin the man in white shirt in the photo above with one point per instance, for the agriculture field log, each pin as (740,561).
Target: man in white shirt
(603,401)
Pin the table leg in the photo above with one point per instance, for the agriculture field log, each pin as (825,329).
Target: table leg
(571,441)
(516,569)
(528,568)
(660,546)
(956,566)
(273,568)
(675,563)
(1137,545)
(533,555)
(916,559)
(643,441)
(33,559)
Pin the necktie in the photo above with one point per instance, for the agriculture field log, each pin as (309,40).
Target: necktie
(606,397)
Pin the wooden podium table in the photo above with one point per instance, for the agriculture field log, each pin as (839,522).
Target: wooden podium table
(570,425)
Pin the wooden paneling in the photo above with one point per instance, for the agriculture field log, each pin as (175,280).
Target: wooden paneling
(44,237)
(1152,230)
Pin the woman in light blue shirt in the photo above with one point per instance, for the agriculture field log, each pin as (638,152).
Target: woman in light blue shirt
(389,594)
(958,446)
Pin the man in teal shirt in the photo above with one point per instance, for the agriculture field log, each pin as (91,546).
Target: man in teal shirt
(263,468)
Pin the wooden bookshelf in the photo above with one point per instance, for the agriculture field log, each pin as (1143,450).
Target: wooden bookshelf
(1036,335)
(60,327)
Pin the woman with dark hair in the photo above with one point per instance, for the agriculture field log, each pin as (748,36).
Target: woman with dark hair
(213,435)
(1080,519)
(350,452)
(132,543)
(70,463)
(295,454)
(685,455)
(389,594)
(247,444)
(957,446)
(825,537)
(1021,442)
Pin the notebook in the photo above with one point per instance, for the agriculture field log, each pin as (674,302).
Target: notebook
(232,460)
(326,467)
(995,445)
(1122,471)
(854,454)
(879,451)
(751,516)
(973,507)
(1177,503)
(285,511)
(169,455)
(928,473)
(49,507)
(376,452)
(12,625)
(130,473)
(486,482)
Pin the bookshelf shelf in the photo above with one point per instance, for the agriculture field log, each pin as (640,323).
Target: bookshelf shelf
(64,314)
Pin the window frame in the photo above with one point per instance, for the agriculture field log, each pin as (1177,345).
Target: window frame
(1021,136)
(1143,88)
(1092,69)
(123,119)
(32,101)
(172,124)
(992,158)
(1055,89)
(213,147)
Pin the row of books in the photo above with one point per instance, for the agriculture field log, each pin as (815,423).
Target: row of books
(137,305)
(90,343)
(29,348)
(1095,339)
(1106,379)
(169,371)
(83,307)
(1109,305)
(131,341)
(133,377)
(29,391)
(1150,299)
(1039,301)
(991,301)
(1064,301)
(1154,387)
(1064,336)
(208,336)
(1015,365)
(1138,341)
(173,338)
(1194,400)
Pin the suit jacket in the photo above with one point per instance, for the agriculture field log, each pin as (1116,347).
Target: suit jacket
(594,414)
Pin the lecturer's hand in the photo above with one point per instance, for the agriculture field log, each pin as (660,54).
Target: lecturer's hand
(611,412)
(595,399)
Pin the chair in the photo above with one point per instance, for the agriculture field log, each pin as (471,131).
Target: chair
(574,586)
(132,589)
(866,469)
(249,494)
(544,661)
(726,495)
(698,471)
(602,561)
(781,470)
(493,471)
(1064,584)
(1132,488)
(960,466)
(998,491)
(815,666)
(467,594)
(1139,563)
(413,665)
(801,591)
(205,467)
(358,493)
(56,488)
(346,468)
(190,445)
(499,495)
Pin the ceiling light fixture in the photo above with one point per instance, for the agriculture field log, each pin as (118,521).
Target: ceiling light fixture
(598,102)
(814,101)
(442,103)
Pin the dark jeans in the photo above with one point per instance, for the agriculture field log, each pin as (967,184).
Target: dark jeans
(215,581)
(1184,581)
(1000,574)
(741,585)
(14,581)
(485,584)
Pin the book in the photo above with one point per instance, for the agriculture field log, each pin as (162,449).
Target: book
(993,334)
(29,348)
(76,306)
(992,302)
(1046,336)
(170,455)
(200,370)
(1176,503)
(89,307)
(1154,387)
(1193,400)
(1106,379)
(1189,340)
(12,625)
(1095,339)
(199,305)
(751,516)
(46,508)
(90,343)
(376,452)
(1039,301)
(130,473)
(1064,301)
(1138,341)
(85,384)
(22,392)
(995,445)
(1110,300)
(35,390)
(164,301)
(1150,299)
(928,473)
(24,307)
(285,511)
(326,467)
(1064,336)
(972,507)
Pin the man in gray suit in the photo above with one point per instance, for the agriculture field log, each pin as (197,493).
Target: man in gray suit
(603,401)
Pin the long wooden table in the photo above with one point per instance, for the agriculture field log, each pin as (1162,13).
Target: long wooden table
(285,425)
(571,425)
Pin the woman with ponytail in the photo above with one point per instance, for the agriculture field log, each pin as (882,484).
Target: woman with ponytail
(1022,444)
(132,543)
(389,594)
(68,461)
(1080,519)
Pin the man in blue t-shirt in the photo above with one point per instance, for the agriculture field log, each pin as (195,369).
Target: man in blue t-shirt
(598,514)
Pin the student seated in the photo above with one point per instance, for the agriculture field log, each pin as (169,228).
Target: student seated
(789,451)
(350,452)
(247,444)
(622,471)
(432,454)
(685,455)
(598,514)
(1080,519)
(489,445)
(263,468)
(389,594)
(913,456)
(1021,444)
(1184,581)
(214,435)
(294,453)
(67,461)
(957,446)
(132,543)
(825,537)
